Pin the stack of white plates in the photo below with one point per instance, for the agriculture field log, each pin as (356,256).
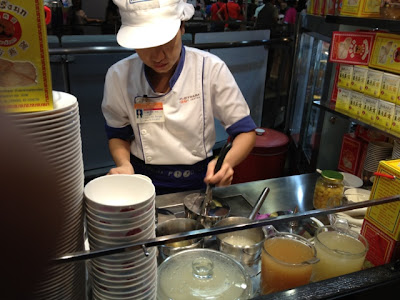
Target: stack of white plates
(396,150)
(120,209)
(57,134)
(376,152)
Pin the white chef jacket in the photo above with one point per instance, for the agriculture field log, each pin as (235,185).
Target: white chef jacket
(202,88)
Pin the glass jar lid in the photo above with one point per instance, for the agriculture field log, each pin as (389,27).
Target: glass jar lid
(332,175)
(202,274)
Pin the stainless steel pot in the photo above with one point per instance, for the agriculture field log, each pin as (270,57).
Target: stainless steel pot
(176,226)
(244,245)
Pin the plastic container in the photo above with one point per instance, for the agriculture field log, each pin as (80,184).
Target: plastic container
(328,189)
(266,160)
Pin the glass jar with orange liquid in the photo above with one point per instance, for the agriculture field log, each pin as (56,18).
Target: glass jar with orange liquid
(286,262)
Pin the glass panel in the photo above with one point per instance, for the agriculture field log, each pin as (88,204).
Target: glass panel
(311,137)
(320,67)
(303,62)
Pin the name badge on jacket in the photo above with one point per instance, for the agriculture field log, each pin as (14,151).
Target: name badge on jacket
(149,112)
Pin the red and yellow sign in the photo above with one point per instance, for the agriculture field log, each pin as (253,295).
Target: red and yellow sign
(25,80)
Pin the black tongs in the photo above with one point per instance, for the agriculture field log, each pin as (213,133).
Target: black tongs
(208,195)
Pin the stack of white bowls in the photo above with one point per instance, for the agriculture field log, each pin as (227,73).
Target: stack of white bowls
(396,150)
(120,210)
(376,152)
(56,133)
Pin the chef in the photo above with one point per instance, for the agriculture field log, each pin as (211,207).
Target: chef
(160,103)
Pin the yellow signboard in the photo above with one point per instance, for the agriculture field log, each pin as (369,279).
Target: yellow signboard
(25,79)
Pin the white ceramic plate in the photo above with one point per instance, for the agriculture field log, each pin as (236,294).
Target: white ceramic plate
(61,102)
(351,181)
(357,194)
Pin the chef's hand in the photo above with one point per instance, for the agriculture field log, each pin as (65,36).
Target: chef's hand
(123,169)
(222,178)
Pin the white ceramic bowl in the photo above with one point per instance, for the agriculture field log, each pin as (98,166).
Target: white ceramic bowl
(124,260)
(99,271)
(117,290)
(122,232)
(125,216)
(126,280)
(140,263)
(127,295)
(119,192)
(100,241)
(110,225)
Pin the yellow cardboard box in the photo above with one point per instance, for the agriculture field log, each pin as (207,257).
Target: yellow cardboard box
(386,53)
(384,116)
(359,78)
(373,83)
(343,100)
(25,80)
(395,128)
(361,8)
(345,76)
(390,87)
(369,109)
(356,104)
(310,7)
(386,217)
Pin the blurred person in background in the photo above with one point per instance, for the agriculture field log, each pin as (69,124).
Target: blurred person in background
(291,13)
(216,23)
(260,6)
(32,214)
(77,18)
(301,6)
(230,12)
(268,16)
(282,6)
(199,15)
(208,4)
(112,20)
(182,91)
(251,9)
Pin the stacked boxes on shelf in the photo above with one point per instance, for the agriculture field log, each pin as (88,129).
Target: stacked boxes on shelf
(360,8)
(368,80)
(355,8)
(354,149)
(381,225)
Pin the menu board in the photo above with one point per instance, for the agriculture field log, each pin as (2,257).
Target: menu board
(25,79)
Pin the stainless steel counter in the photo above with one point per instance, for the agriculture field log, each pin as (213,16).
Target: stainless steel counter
(285,193)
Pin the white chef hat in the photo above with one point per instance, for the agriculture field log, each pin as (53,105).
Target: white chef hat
(150,23)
